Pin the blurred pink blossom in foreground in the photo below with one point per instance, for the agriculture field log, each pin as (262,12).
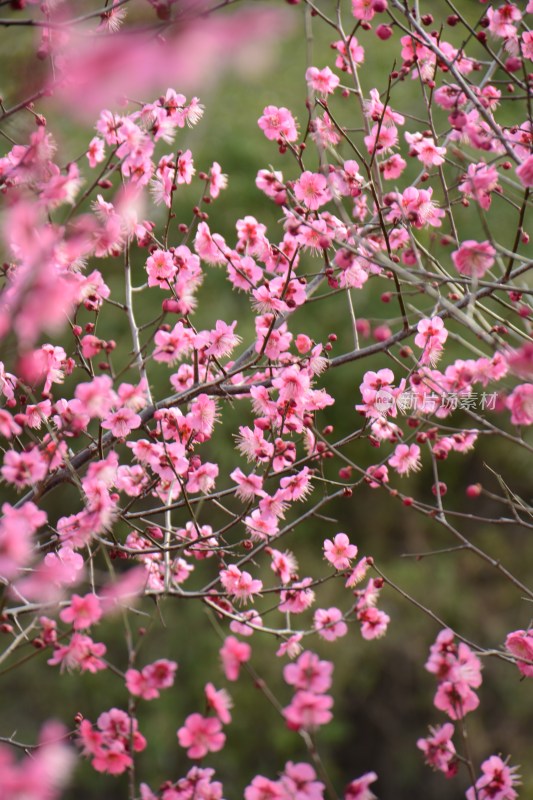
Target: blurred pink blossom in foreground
(105,71)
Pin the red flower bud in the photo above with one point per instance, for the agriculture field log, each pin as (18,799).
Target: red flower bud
(384,32)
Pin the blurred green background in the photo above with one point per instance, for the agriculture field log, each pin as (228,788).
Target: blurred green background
(383,695)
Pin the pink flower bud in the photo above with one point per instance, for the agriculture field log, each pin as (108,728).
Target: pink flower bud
(513,64)
(170,306)
(381,333)
(384,32)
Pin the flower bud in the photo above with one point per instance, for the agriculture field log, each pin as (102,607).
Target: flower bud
(170,306)
(513,64)
(384,32)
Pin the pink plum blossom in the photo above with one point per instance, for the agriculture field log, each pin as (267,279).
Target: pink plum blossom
(234,653)
(147,682)
(278,123)
(201,735)
(329,623)
(122,422)
(431,337)
(82,611)
(24,469)
(109,744)
(17,528)
(80,653)
(520,403)
(439,750)
(374,623)
(300,781)
(308,711)
(496,783)
(298,598)
(525,172)
(425,149)
(220,701)
(520,644)
(323,81)
(405,458)
(262,788)
(222,340)
(474,258)
(346,56)
(311,189)
(44,772)
(309,672)
(217,181)
(455,699)
(363,9)
(239,584)
(501,20)
(161,268)
(359,789)
(339,551)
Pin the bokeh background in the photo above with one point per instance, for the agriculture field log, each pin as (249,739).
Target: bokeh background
(383,695)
